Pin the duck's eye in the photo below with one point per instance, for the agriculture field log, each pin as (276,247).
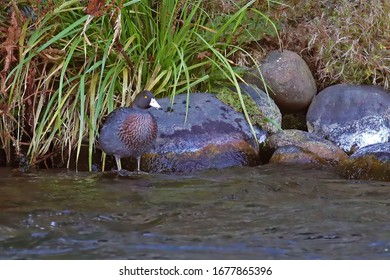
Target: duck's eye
(145,96)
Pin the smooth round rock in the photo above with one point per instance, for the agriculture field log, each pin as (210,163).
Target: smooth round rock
(212,135)
(294,155)
(381,151)
(287,75)
(351,116)
(324,150)
(371,162)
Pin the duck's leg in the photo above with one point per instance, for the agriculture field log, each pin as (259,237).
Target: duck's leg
(138,165)
(118,163)
(122,172)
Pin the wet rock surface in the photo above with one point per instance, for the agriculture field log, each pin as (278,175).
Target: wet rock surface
(381,151)
(289,78)
(309,148)
(212,136)
(351,116)
(371,162)
(294,155)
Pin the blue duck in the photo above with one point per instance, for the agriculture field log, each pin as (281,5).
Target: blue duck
(130,131)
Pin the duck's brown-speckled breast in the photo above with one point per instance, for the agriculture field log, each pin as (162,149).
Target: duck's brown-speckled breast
(138,132)
(128,132)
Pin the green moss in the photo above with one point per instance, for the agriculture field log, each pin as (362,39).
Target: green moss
(231,98)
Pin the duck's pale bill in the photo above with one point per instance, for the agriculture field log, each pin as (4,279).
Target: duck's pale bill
(153,103)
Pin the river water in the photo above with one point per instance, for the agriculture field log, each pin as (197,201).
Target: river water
(265,212)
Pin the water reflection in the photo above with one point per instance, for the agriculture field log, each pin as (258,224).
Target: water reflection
(266,212)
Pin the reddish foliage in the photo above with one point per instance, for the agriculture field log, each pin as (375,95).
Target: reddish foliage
(9,47)
(98,8)
(203,55)
(3,109)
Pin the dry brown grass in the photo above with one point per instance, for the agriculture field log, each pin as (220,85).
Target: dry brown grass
(346,41)
(343,41)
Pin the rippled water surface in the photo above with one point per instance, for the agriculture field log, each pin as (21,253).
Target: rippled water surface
(266,212)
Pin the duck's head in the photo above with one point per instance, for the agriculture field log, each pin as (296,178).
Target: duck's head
(144,100)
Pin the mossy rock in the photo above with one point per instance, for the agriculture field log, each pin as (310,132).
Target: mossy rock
(262,110)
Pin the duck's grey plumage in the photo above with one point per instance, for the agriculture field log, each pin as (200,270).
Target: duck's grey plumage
(130,132)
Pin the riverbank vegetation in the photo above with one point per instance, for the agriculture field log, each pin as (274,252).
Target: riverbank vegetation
(67,64)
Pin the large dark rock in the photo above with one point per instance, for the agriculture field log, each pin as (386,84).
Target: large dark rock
(212,136)
(288,76)
(371,162)
(300,147)
(351,116)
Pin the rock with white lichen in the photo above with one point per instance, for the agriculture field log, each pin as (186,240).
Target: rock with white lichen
(351,116)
